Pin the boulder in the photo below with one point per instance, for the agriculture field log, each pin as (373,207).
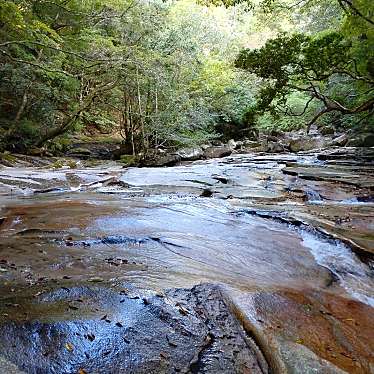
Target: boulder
(162,160)
(80,151)
(217,152)
(34,151)
(95,150)
(362,140)
(251,144)
(340,141)
(231,144)
(275,147)
(307,143)
(190,154)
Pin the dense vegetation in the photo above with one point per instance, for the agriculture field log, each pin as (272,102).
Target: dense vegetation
(177,73)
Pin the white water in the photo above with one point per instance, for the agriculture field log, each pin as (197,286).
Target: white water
(356,277)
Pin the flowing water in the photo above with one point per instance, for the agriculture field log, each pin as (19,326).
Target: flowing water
(286,227)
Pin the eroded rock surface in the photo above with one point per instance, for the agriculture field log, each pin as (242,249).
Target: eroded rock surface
(112,330)
(272,272)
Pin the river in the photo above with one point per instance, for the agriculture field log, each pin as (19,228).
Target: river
(285,242)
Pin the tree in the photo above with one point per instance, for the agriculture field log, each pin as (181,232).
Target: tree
(326,68)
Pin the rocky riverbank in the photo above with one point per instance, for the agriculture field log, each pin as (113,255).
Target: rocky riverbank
(248,263)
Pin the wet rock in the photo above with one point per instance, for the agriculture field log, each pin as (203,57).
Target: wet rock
(217,152)
(310,332)
(80,151)
(340,141)
(231,144)
(275,147)
(202,335)
(96,150)
(307,143)
(190,154)
(251,144)
(362,140)
(185,240)
(207,193)
(220,178)
(162,160)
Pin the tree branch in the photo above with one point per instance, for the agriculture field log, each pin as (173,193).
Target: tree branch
(354,10)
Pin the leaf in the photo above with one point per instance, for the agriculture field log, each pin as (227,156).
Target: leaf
(69,347)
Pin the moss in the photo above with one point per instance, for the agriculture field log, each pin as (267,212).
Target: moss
(72,164)
(7,157)
(128,160)
(57,164)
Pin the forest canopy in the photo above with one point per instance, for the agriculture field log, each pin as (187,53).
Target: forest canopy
(181,73)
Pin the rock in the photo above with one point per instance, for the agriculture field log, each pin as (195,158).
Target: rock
(275,147)
(362,140)
(340,140)
(231,144)
(207,193)
(190,154)
(97,150)
(217,152)
(239,144)
(272,138)
(251,144)
(184,331)
(80,153)
(327,130)
(307,143)
(163,160)
(313,130)
(276,133)
(33,151)
(220,178)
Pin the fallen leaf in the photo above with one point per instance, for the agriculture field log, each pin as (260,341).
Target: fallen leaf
(164,355)
(69,347)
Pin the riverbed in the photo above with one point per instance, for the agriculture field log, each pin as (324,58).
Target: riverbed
(249,263)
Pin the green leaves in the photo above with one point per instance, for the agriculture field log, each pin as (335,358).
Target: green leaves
(324,67)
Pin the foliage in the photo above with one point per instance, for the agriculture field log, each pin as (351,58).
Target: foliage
(153,71)
(331,68)
(161,73)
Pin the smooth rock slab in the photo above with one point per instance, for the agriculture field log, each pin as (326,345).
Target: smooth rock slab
(113,331)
